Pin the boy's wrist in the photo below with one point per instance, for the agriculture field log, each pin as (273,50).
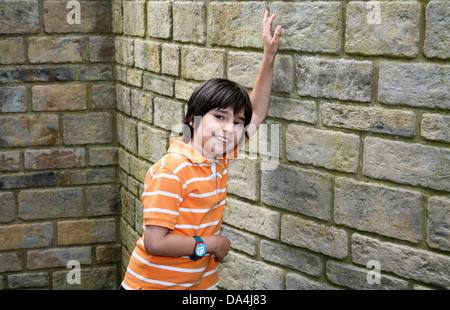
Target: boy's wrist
(210,244)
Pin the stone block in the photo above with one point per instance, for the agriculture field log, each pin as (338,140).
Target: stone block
(295,281)
(342,79)
(103,200)
(243,67)
(12,51)
(309,26)
(107,254)
(7,207)
(95,17)
(316,237)
(283,80)
(96,73)
(29,179)
(103,156)
(98,278)
(126,133)
(189,22)
(169,114)
(252,218)
(65,97)
(142,107)
(394,122)
(134,77)
(152,142)
(55,158)
(170,59)
(45,74)
(240,240)
(421,85)
(159,84)
(103,96)
(134,18)
(10,261)
(235,24)
(50,203)
(124,51)
(293,109)
(435,126)
(323,148)
(51,258)
(396,33)
(159,19)
(55,50)
(404,261)
(380,209)
(101,49)
(9,161)
(87,176)
(117,17)
(87,128)
(17,16)
(238,272)
(243,177)
(147,55)
(30,130)
(13,99)
(24,236)
(291,257)
(201,64)
(123,99)
(407,163)
(86,231)
(27,280)
(437,20)
(356,278)
(297,190)
(438,227)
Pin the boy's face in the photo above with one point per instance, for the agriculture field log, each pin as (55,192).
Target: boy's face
(219,132)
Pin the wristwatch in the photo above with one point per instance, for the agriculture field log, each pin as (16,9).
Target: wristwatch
(199,249)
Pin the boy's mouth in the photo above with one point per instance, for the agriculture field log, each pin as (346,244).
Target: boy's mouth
(222,139)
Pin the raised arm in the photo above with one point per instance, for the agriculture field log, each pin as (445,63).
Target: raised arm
(260,96)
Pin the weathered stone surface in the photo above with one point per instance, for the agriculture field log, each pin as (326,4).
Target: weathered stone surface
(13,13)
(335,78)
(152,142)
(189,22)
(356,278)
(55,49)
(435,126)
(402,260)
(147,54)
(11,261)
(93,127)
(133,18)
(45,74)
(295,281)
(370,207)
(201,63)
(52,258)
(86,231)
(29,130)
(316,237)
(99,278)
(103,200)
(126,133)
(235,23)
(124,51)
(12,51)
(51,159)
(394,122)
(7,207)
(104,96)
(101,49)
(239,272)
(96,73)
(294,110)
(96,17)
(297,190)
(170,59)
(438,228)
(141,105)
(437,29)
(23,236)
(309,26)
(421,85)
(243,178)
(252,218)
(134,77)
(243,67)
(329,149)
(169,114)
(28,180)
(290,257)
(13,99)
(87,176)
(59,97)
(159,84)
(395,33)
(50,203)
(9,161)
(159,19)
(407,163)
(241,241)
(26,280)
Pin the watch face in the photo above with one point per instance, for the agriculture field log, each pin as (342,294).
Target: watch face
(200,250)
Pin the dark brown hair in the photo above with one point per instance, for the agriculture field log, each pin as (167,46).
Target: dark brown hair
(216,94)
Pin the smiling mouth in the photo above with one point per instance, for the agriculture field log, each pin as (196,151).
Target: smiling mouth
(222,139)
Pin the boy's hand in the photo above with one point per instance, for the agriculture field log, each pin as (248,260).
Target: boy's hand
(217,245)
(270,43)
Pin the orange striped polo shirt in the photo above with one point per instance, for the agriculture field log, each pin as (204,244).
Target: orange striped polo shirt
(186,193)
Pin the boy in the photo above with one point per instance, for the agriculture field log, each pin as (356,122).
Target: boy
(185,191)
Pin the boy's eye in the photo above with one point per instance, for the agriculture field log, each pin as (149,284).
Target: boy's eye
(239,124)
(219,116)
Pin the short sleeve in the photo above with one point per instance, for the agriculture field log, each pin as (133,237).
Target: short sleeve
(162,198)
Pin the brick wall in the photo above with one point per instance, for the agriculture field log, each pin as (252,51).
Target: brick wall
(353,170)
(59,190)
(363,115)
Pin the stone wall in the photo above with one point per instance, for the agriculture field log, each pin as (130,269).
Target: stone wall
(351,176)
(59,190)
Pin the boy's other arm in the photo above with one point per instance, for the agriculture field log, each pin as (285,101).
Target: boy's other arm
(159,241)
(260,96)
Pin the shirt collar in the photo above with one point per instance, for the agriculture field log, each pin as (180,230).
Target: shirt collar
(177,145)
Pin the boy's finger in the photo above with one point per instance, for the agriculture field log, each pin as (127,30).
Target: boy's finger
(277,33)
(266,16)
